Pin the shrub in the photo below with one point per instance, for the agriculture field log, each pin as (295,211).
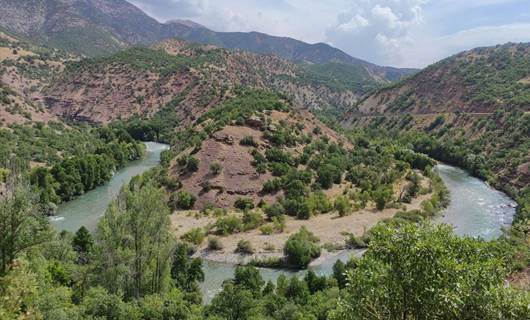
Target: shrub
(274,210)
(272,186)
(381,197)
(216,168)
(342,205)
(195,236)
(228,225)
(354,242)
(266,229)
(214,244)
(244,247)
(279,223)
(185,200)
(244,204)
(252,220)
(261,168)
(248,141)
(301,248)
(279,169)
(192,164)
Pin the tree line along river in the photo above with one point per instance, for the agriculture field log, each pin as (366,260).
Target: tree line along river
(476,210)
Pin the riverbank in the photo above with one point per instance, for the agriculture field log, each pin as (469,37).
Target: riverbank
(331,229)
(87,209)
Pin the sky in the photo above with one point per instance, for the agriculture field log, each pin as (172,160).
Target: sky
(401,33)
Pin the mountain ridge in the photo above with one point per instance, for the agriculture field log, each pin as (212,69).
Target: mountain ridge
(111,25)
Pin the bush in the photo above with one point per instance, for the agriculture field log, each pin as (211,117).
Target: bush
(185,200)
(266,229)
(248,141)
(381,197)
(279,223)
(272,186)
(342,205)
(301,248)
(192,164)
(195,236)
(216,168)
(228,225)
(244,204)
(214,244)
(354,242)
(274,210)
(252,220)
(244,247)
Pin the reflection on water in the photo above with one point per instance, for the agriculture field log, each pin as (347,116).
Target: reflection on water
(476,209)
(88,208)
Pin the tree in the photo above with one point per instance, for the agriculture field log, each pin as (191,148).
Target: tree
(83,244)
(301,248)
(82,241)
(186,271)
(21,224)
(233,303)
(421,271)
(381,197)
(215,168)
(184,201)
(192,164)
(244,203)
(342,205)
(134,243)
(248,277)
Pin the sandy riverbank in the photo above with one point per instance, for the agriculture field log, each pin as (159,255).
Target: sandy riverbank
(329,228)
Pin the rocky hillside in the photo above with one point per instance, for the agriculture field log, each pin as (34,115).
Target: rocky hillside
(24,70)
(188,79)
(93,27)
(478,81)
(471,110)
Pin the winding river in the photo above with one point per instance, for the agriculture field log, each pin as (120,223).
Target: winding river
(476,210)
(88,208)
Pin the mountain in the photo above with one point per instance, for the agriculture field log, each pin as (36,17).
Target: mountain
(189,79)
(94,27)
(481,80)
(471,110)
(24,70)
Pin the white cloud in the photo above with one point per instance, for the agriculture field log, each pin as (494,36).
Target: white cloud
(429,49)
(405,33)
(376,30)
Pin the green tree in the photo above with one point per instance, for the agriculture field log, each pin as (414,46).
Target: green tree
(186,272)
(22,226)
(184,200)
(301,248)
(342,205)
(426,272)
(134,243)
(233,303)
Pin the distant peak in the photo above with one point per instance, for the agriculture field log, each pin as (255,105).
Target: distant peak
(187,23)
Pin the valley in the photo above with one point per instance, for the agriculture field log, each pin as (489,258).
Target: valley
(155,170)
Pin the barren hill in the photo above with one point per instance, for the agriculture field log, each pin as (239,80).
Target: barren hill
(141,81)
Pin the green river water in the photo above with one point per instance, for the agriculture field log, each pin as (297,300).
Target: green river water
(475,210)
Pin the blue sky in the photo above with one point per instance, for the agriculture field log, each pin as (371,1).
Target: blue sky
(403,33)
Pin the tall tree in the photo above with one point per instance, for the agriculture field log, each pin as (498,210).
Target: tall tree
(134,243)
(22,226)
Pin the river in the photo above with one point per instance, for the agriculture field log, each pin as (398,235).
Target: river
(475,210)
(88,208)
